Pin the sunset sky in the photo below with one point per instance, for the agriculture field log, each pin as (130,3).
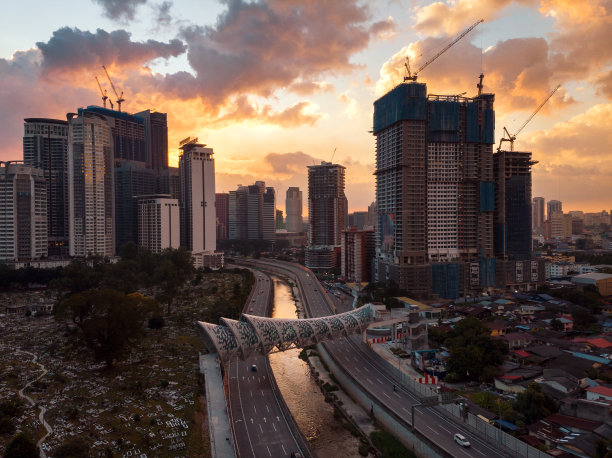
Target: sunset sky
(273,86)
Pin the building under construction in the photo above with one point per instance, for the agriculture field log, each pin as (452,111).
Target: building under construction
(434,190)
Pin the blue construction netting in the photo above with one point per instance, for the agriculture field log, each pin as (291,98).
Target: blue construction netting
(474,129)
(443,121)
(487,272)
(408,101)
(487,196)
(445,280)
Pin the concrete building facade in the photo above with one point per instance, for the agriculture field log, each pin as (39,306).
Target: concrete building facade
(537,218)
(45,146)
(326,211)
(91,197)
(197,196)
(222,209)
(358,250)
(23,212)
(293,209)
(268,217)
(158,223)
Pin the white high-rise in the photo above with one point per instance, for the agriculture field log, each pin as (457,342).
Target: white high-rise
(23,212)
(158,222)
(293,208)
(91,196)
(197,197)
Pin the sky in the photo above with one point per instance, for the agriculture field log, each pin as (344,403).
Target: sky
(276,85)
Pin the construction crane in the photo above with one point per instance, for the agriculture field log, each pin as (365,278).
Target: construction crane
(511,138)
(479,85)
(413,76)
(120,98)
(102,92)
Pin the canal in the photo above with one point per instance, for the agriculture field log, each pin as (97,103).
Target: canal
(315,417)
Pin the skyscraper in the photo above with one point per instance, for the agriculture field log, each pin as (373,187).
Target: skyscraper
(434,190)
(158,223)
(237,211)
(280,222)
(513,205)
(156,139)
(222,210)
(45,146)
(537,221)
(326,211)
(90,184)
(293,209)
(551,207)
(23,212)
(268,217)
(197,196)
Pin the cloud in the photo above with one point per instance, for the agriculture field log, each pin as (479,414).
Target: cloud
(576,154)
(310,87)
(441,18)
(71,49)
(519,71)
(162,11)
(289,165)
(384,30)
(120,10)
(352,108)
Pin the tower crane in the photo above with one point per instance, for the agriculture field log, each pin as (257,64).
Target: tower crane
(102,92)
(511,138)
(413,76)
(120,98)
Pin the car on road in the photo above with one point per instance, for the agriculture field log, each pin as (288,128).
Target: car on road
(296,455)
(254,368)
(462,440)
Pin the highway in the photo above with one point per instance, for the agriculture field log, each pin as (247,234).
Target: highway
(364,366)
(262,424)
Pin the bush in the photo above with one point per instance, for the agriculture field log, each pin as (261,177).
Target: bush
(75,447)
(156,322)
(21,446)
(364,449)
(389,446)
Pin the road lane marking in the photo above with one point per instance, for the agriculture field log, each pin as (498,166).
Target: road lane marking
(251,393)
(269,453)
(284,451)
(260,428)
(371,382)
(254,408)
(267,408)
(380,381)
(405,410)
(386,395)
(433,430)
(262,393)
(399,396)
(274,426)
(442,427)
(478,451)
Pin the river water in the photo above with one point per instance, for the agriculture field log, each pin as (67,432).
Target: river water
(313,415)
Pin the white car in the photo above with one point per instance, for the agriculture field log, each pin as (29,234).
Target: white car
(462,440)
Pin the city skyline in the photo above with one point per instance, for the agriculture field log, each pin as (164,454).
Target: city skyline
(298,106)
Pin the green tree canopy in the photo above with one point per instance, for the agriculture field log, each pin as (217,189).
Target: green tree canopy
(534,405)
(474,355)
(108,320)
(21,446)
(75,447)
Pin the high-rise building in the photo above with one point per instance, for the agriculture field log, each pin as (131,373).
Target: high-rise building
(128,134)
(537,221)
(268,216)
(23,212)
(372,215)
(326,211)
(237,210)
(280,222)
(168,182)
(45,146)
(255,210)
(358,250)
(293,208)
(222,209)
(553,206)
(156,138)
(158,223)
(132,179)
(435,190)
(90,184)
(358,220)
(197,196)
(513,227)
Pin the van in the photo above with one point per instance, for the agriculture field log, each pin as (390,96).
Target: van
(462,440)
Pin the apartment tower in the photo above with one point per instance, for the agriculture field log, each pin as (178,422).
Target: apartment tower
(293,209)
(537,219)
(197,196)
(23,212)
(45,146)
(158,223)
(91,197)
(434,191)
(326,211)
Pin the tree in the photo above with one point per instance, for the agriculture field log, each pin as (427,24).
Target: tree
(21,446)
(174,269)
(474,355)
(556,324)
(533,404)
(75,447)
(108,320)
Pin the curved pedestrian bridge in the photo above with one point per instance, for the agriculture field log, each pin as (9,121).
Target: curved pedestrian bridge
(261,335)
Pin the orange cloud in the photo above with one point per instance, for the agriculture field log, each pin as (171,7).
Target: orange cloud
(574,160)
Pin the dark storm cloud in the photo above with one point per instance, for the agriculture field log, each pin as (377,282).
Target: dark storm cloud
(121,10)
(73,49)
